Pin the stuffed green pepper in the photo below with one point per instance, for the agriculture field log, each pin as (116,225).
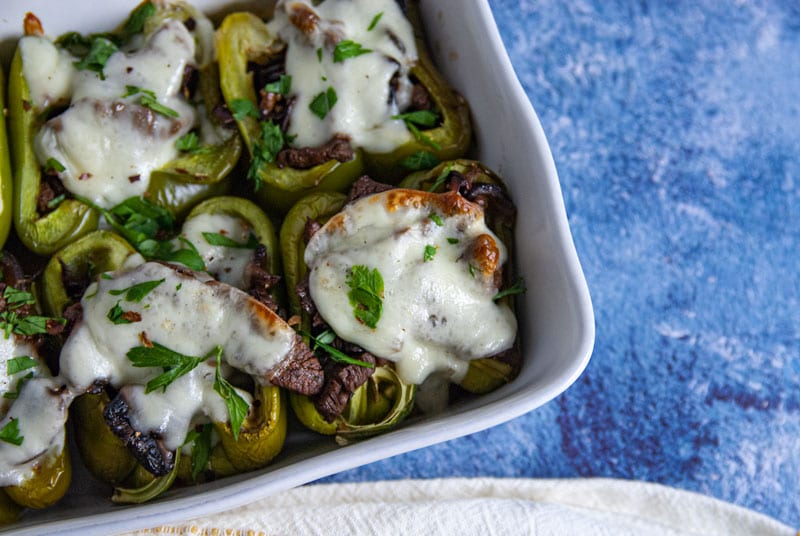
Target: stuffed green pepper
(97,119)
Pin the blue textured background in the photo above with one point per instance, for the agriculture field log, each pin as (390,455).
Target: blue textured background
(675,127)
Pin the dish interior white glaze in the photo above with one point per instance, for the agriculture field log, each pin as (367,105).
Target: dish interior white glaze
(556,318)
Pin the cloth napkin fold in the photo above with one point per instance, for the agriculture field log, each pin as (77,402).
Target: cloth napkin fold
(484,506)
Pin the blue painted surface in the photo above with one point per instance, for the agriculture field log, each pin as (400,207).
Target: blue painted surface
(675,127)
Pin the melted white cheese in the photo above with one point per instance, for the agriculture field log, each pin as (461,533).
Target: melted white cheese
(10,348)
(110,143)
(364,105)
(187,315)
(47,69)
(226,264)
(437,314)
(41,413)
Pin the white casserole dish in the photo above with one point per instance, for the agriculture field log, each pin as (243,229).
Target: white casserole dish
(556,317)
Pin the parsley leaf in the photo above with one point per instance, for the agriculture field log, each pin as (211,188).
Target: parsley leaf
(430,252)
(53,165)
(265,150)
(174,364)
(19,363)
(323,340)
(282,87)
(452,240)
(190,143)
(117,315)
(12,395)
(98,55)
(216,239)
(241,108)
(366,294)
(238,408)
(148,99)
(16,298)
(201,451)
(140,222)
(374,22)
(421,118)
(419,160)
(347,49)
(135,23)
(440,179)
(10,433)
(435,218)
(137,292)
(322,103)
(517,288)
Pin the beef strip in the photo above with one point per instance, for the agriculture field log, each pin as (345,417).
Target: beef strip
(148,449)
(338,148)
(364,186)
(420,98)
(260,282)
(299,371)
(50,187)
(341,381)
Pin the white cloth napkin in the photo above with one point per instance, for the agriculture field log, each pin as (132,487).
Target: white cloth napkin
(484,506)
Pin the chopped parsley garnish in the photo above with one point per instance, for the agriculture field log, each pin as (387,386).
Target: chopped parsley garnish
(238,408)
(142,223)
(217,239)
(451,240)
(12,395)
(421,118)
(119,316)
(374,22)
(190,143)
(517,288)
(20,363)
(137,292)
(10,433)
(322,103)
(53,165)
(99,52)
(11,322)
(419,160)
(430,252)
(57,200)
(265,150)
(471,270)
(323,342)
(366,294)
(241,108)
(135,23)
(347,49)
(319,55)
(201,450)
(440,180)
(282,87)
(435,218)
(15,365)
(147,98)
(174,364)
(16,298)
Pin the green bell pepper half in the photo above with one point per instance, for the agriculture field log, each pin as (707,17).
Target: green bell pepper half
(52,476)
(71,219)
(487,374)
(449,139)
(242,38)
(384,400)
(252,215)
(6,178)
(177,186)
